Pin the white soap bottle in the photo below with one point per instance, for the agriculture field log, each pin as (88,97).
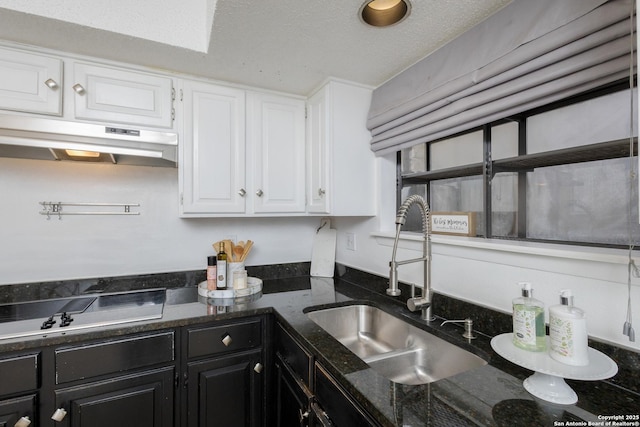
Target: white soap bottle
(529,330)
(568,337)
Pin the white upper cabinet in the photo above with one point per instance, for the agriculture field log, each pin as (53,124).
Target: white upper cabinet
(341,168)
(242,153)
(122,96)
(212,150)
(30,82)
(276,132)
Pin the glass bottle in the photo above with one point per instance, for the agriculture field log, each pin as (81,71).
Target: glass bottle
(222,268)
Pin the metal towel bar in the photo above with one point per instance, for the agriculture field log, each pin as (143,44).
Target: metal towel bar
(55,209)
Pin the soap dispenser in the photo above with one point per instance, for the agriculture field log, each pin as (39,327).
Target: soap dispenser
(568,332)
(529,331)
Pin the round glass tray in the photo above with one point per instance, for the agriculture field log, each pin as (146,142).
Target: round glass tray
(547,382)
(254,285)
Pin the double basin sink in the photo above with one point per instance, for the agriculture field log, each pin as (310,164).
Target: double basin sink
(392,347)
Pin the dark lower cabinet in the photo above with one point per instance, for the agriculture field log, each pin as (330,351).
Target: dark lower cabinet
(226,391)
(306,395)
(11,410)
(224,384)
(293,398)
(19,384)
(138,400)
(336,404)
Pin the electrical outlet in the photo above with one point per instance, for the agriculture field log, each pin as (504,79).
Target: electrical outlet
(351,241)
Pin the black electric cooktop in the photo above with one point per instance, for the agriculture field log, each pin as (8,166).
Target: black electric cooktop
(64,314)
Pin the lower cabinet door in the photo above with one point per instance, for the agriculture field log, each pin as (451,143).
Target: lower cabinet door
(137,400)
(292,398)
(11,410)
(226,391)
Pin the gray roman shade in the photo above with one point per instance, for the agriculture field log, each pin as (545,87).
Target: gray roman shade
(528,54)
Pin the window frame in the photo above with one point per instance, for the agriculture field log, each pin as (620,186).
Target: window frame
(521,163)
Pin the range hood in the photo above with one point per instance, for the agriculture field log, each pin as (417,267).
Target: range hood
(51,139)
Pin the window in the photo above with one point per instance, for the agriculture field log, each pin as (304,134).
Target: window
(561,173)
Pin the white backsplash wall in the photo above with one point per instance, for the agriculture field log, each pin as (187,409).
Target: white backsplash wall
(487,273)
(34,249)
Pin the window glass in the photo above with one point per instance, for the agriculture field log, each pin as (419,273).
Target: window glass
(582,202)
(459,151)
(414,218)
(414,159)
(462,194)
(504,205)
(601,119)
(504,141)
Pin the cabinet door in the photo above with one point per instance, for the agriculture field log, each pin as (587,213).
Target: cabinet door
(341,166)
(122,96)
(139,400)
(212,160)
(226,391)
(29,82)
(275,127)
(11,410)
(317,161)
(293,399)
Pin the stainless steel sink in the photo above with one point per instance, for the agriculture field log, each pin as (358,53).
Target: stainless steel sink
(394,348)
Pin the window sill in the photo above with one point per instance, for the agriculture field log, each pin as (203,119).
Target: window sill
(413,241)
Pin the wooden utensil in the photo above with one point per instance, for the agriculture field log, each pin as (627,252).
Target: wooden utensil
(238,252)
(247,248)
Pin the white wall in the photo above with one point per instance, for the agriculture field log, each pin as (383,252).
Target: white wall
(34,249)
(487,272)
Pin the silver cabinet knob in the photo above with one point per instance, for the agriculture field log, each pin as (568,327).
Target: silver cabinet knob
(259,193)
(51,84)
(79,89)
(242,192)
(59,415)
(258,368)
(321,192)
(226,340)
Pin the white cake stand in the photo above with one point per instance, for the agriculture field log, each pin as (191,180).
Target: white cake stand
(547,382)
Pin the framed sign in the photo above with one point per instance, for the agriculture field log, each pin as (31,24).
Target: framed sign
(455,223)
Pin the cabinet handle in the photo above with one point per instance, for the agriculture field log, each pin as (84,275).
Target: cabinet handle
(321,192)
(302,417)
(259,193)
(242,192)
(22,422)
(226,340)
(258,368)
(79,89)
(51,84)
(321,417)
(59,414)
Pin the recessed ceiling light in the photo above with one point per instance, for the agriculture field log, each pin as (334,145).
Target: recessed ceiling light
(382,13)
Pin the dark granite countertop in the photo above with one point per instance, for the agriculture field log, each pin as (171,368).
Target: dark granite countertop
(491,395)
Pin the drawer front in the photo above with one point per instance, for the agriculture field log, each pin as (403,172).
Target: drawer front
(224,338)
(19,373)
(115,356)
(338,406)
(293,354)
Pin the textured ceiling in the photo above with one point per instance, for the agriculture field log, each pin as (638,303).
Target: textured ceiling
(285,45)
